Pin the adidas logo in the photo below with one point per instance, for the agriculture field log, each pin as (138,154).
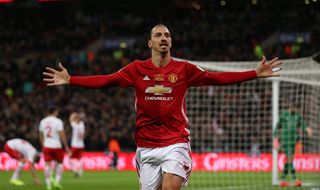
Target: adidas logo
(146,78)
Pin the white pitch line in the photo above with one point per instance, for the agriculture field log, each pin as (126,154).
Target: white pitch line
(232,187)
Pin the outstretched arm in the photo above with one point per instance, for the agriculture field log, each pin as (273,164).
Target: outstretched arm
(264,69)
(61,76)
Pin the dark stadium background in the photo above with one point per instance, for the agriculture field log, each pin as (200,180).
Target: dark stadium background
(100,37)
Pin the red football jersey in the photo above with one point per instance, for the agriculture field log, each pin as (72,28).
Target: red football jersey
(161,118)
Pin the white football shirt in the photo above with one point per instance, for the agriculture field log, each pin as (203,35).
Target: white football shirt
(24,147)
(77,134)
(50,127)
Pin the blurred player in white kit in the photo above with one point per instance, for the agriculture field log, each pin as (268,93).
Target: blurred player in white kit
(51,135)
(22,151)
(77,143)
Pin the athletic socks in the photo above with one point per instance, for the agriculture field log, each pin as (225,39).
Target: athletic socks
(47,173)
(289,167)
(16,173)
(285,171)
(293,171)
(80,167)
(59,172)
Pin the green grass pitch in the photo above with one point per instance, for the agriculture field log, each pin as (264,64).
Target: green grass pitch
(122,180)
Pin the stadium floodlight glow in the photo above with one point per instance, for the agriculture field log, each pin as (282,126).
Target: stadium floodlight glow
(123,45)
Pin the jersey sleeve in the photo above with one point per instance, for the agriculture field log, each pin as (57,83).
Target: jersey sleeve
(127,75)
(200,77)
(124,77)
(82,127)
(82,130)
(195,75)
(60,125)
(72,124)
(94,81)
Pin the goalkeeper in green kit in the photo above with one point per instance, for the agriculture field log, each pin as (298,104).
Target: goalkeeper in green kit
(290,129)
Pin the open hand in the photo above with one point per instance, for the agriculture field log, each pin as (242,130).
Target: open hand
(56,77)
(269,69)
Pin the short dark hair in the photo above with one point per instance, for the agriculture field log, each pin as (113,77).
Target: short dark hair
(51,107)
(155,26)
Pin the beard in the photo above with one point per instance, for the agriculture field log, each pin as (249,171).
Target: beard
(164,49)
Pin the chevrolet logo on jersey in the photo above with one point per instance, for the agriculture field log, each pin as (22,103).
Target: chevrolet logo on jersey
(158,90)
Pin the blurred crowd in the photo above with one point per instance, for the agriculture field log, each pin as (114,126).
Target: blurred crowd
(101,39)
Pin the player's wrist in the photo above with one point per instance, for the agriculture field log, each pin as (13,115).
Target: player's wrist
(68,79)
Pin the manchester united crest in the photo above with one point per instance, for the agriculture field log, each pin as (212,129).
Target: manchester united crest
(173,78)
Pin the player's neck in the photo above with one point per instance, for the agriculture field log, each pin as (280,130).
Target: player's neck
(161,59)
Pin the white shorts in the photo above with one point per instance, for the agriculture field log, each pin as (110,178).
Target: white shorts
(151,163)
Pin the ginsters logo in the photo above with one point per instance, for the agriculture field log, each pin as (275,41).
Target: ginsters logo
(158,90)
(173,78)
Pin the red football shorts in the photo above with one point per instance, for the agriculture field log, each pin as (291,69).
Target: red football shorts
(76,153)
(53,154)
(12,153)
